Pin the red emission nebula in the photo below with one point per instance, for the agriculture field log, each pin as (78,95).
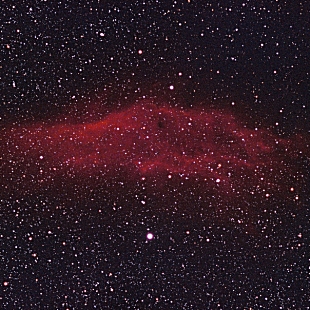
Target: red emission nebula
(150,153)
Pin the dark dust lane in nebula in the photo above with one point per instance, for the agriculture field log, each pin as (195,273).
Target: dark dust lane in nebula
(151,152)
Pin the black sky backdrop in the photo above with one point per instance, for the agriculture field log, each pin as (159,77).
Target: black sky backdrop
(77,59)
(59,52)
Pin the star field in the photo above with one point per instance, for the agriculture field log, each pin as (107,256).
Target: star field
(154,154)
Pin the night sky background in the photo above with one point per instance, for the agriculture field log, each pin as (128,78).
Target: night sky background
(73,62)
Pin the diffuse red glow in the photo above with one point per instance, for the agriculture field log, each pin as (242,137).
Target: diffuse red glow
(160,151)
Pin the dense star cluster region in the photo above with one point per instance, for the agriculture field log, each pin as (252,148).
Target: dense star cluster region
(154,154)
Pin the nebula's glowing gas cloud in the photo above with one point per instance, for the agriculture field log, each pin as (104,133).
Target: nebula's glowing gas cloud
(170,154)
